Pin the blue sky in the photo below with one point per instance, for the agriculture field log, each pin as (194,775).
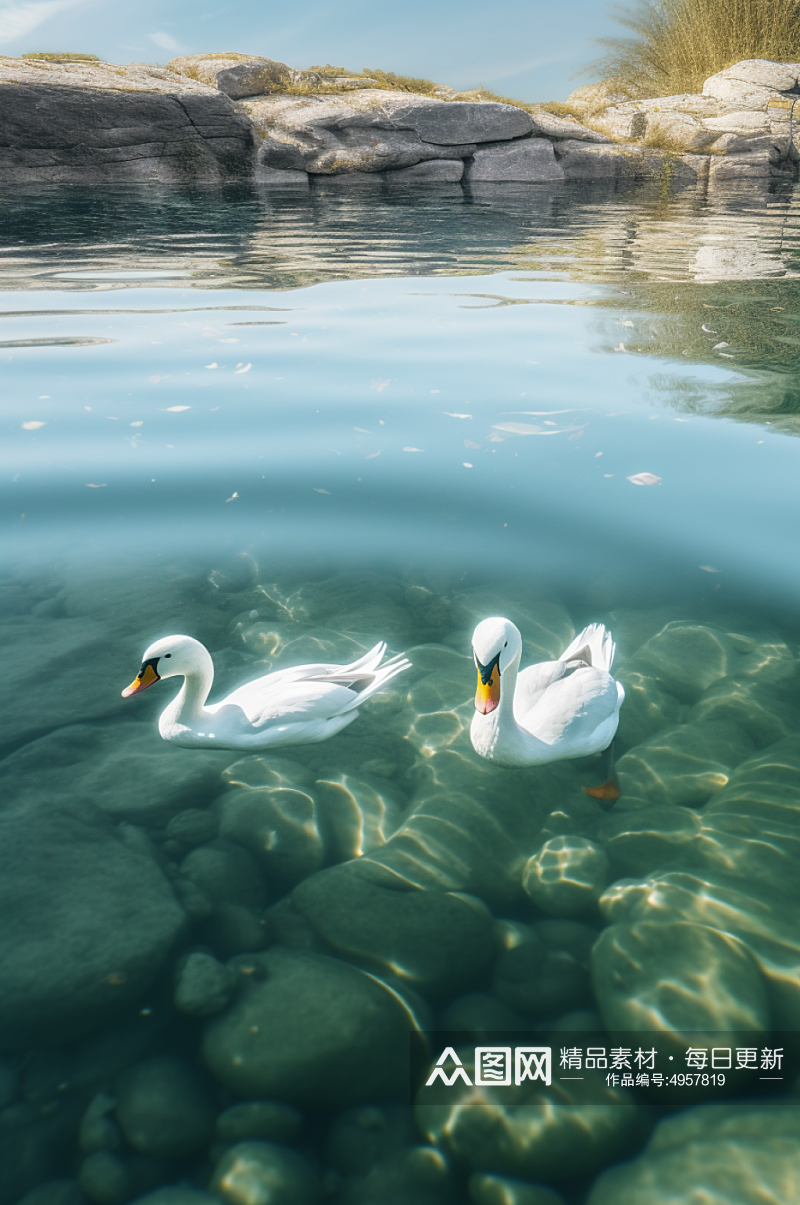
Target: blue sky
(526,50)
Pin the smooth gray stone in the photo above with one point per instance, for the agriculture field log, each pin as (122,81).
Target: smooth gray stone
(86,937)
(448,122)
(531,159)
(433,171)
(165,1108)
(235,75)
(309,1030)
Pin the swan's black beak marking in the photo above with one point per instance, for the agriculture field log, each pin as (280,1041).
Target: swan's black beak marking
(146,676)
(487,695)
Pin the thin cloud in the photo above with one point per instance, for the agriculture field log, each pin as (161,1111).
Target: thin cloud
(165,41)
(18,20)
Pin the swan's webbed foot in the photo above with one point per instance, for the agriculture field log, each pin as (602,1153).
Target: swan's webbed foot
(608,792)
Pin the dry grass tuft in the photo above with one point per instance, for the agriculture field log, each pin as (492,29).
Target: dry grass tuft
(61,58)
(679,43)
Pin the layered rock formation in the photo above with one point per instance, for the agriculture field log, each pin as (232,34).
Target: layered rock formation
(224,116)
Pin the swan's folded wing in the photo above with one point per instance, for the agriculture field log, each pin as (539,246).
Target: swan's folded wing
(573,706)
(532,683)
(300,701)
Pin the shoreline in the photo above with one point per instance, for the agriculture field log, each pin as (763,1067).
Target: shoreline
(210,119)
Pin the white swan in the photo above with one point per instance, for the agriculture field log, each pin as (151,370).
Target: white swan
(551,711)
(296,706)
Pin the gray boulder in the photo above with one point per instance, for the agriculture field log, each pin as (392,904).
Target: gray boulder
(552,125)
(86,123)
(754,83)
(237,75)
(374,130)
(88,922)
(530,159)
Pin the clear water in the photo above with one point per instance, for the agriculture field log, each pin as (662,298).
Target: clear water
(296,424)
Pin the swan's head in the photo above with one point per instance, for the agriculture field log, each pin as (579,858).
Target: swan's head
(496,645)
(167,658)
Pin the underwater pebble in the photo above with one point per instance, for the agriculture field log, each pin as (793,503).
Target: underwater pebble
(309,1030)
(225,873)
(685,659)
(647,710)
(123,768)
(203,986)
(534,1132)
(441,940)
(177,1196)
(165,1108)
(738,1154)
(233,929)
(672,976)
(478,1014)
(54,1192)
(548,972)
(566,876)
(644,840)
(263,1173)
(193,826)
(421,1175)
(501,1190)
(683,766)
(98,1131)
(280,827)
(105,1179)
(362,1137)
(259,1119)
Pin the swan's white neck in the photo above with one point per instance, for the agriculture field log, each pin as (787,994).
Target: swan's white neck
(498,736)
(188,706)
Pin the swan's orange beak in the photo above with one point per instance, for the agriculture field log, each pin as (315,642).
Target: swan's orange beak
(487,695)
(146,677)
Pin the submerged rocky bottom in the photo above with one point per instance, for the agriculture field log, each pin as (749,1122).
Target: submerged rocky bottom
(212,962)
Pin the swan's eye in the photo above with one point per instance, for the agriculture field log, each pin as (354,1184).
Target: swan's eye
(505,646)
(168,654)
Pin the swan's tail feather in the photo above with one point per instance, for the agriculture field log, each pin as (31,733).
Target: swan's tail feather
(369,661)
(593,645)
(368,684)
